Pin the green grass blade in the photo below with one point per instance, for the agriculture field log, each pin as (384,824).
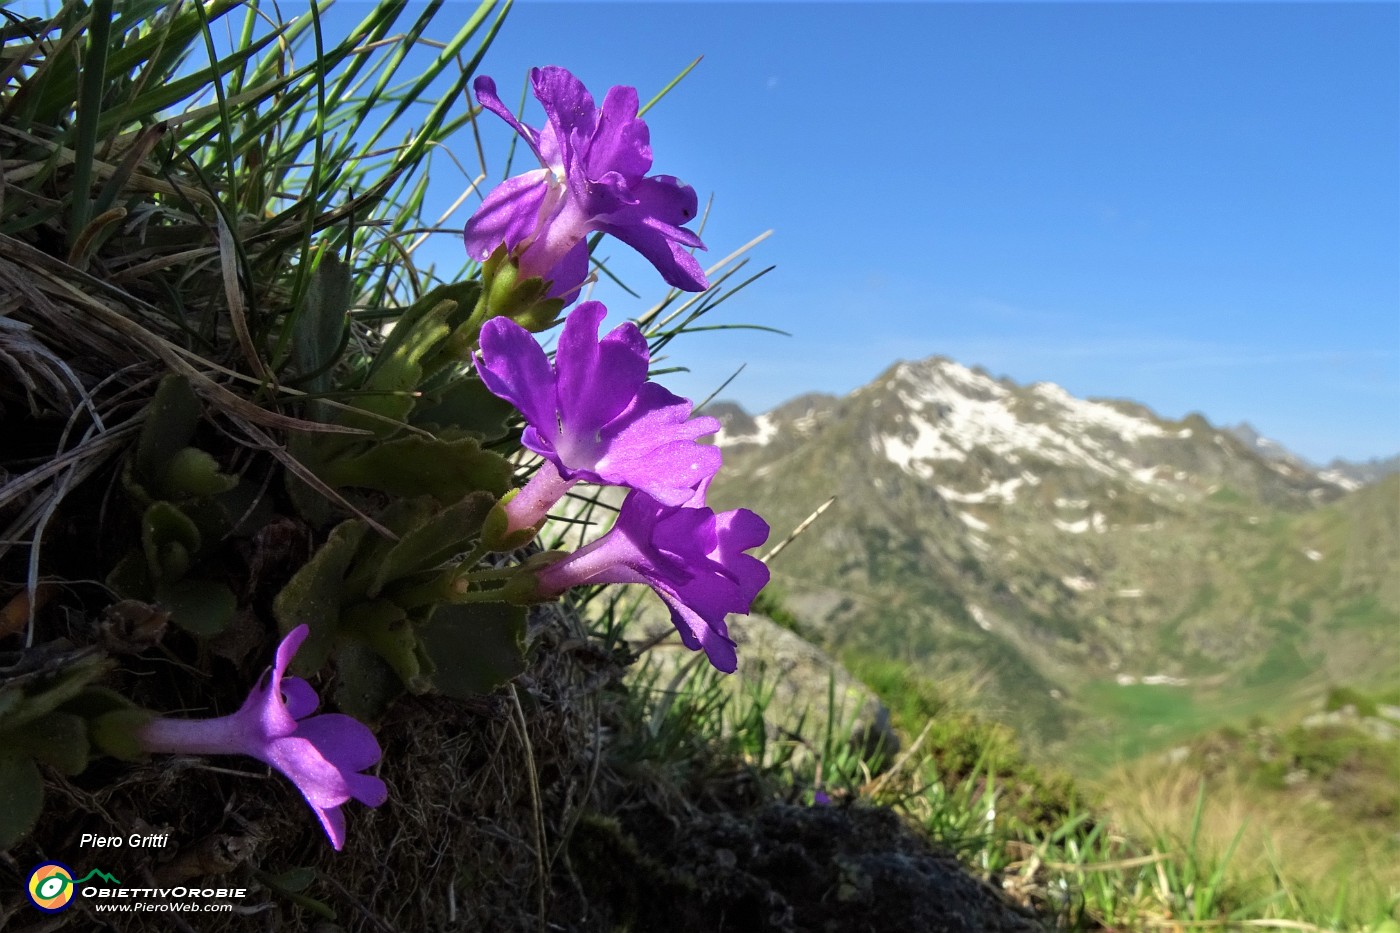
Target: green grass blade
(94,82)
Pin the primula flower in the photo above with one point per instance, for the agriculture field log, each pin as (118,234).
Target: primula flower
(593,415)
(321,755)
(693,558)
(593,178)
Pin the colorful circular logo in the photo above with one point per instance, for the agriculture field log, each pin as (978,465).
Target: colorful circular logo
(51,887)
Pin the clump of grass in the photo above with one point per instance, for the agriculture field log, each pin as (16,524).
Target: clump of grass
(1307,813)
(1186,853)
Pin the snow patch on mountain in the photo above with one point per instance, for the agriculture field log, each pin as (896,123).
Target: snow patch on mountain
(1338,478)
(953,411)
(763,430)
(914,454)
(1087,415)
(973,522)
(1095,522)
(1003,492)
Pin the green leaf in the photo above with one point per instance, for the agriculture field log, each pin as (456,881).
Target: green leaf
(291,883)
(96,701)
(388,390)
(48,693)
(384,626)
(55,739)
(445,533)
(171,418)
(313,596)
(448,470)
(319,328)
(131,577)
(11,697)
(193,472)
(21,798)
(293,880)
(169,540)
(474,648)
(467,405)
(445,307)
(200,607)
(367,682)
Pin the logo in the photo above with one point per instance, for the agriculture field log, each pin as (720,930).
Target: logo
(51,886)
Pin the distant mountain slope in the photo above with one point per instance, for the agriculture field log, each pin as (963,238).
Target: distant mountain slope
(1345,473)
(1062,552)
(1370,471)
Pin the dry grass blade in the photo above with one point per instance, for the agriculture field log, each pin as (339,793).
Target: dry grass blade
(35,367)
(97,447)
(522,728)
(305,474)
(77,311)
(650,315)
(233,292)
(803,526)
(62,156)
(872,788)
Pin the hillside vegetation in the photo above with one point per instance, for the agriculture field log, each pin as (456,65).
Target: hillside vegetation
(1111,582)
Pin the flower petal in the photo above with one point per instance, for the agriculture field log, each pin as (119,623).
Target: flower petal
(566,101)
(597,380)
(621,143)
(569,273)
(661,245)
(368,789)
(668,201)
(333,822)
(486,94)
(514,368)
(320,781)
(342,740)
(288,650)
(299,697)
(509,214)
(263,714)
(652,447)
(696,631)
(738,531)
(599,199)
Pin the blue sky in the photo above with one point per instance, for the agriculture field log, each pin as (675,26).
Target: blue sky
(1194,206)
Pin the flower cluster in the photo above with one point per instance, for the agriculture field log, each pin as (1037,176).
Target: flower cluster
(592,414)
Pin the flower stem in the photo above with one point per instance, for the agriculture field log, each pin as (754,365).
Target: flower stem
(221,736)
(531,505)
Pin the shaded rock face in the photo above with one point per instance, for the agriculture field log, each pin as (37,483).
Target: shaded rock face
(783,867)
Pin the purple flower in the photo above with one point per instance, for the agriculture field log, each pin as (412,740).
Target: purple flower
(693,558)
(593,178)
(593,415)
(321,755)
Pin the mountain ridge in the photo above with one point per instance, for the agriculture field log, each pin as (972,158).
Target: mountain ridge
(1339,472)
(1057,547)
